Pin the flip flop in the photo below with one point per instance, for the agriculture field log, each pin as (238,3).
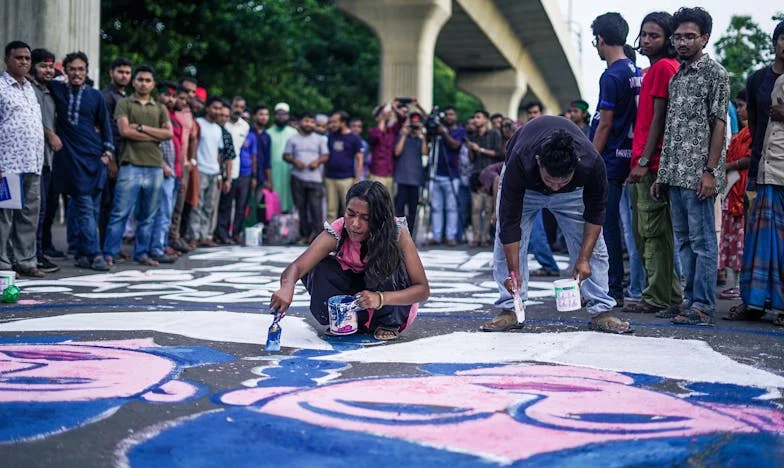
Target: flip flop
(392,331)
(509,321)
(605,325)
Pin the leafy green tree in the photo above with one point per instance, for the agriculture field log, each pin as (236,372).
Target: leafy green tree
(306,53)
(743,48)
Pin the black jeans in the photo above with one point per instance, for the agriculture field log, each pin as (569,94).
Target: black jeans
(407,197)
(308,198)
(238,195)
(46,182)
(329,279)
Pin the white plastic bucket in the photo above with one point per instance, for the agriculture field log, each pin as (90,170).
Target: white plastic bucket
(7,278)
(253,235)
(567,295)
(342,315)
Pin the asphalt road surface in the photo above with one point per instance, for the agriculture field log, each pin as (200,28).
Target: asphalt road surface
(166,366)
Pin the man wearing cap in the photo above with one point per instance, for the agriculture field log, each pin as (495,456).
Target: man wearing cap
(279,134)
(578,113)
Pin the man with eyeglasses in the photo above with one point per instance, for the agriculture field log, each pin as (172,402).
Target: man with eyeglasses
(692,161)
(80,168)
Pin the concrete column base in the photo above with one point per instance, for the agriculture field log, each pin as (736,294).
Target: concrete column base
(500,91)
(407,30)
(61,26)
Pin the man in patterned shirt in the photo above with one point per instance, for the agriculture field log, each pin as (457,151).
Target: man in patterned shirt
(692,161)
(21,155)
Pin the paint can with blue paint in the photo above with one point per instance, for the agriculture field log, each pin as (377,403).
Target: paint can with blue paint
(343,315)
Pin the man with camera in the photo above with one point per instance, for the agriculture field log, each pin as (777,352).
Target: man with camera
(383,137)
(446,183)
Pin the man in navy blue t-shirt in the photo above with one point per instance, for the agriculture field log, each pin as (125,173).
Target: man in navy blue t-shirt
(344,167)
(612,129)
(446,182)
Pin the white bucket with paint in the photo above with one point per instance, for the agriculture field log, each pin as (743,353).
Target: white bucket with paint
(342,315)
(7,278)
(253,235)
(567,295)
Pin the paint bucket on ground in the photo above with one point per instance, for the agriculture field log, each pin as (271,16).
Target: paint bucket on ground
(253,235)
(567,295)
(342,315)
(7,278)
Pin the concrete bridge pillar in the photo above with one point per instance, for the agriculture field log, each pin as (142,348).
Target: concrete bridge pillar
(407,30)
(62,26)
(499,90)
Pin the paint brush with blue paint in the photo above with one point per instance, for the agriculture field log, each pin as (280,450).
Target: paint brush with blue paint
(273,334)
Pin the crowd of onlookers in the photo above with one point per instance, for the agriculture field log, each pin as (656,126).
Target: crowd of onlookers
(695,176)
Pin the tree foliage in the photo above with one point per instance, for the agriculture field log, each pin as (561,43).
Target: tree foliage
(743,48)
(304,52)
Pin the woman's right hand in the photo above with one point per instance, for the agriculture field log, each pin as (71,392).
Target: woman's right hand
(281,299)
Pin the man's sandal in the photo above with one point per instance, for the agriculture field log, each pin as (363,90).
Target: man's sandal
(741,312)
(505,321)
(610,324)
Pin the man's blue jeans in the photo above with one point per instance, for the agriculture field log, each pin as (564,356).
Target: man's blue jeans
(134,183)
(695,241)
(612,232)
(82,225)
(568,210)
(540,247)
(160,230)
(636,269)
(443,200)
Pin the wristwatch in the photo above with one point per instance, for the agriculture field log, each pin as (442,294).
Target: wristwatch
(643,162)
(139,128)
(709,170)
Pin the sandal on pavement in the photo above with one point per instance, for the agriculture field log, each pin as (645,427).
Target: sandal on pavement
(693,317)
(385,334)
(670,312)
(147,261)
(743,313)
(779,321)
(641,307)
(732,293)
(505,321)
(610,324)
(545,272)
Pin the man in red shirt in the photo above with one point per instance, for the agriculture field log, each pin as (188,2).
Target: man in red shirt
(382,142)
(652,224)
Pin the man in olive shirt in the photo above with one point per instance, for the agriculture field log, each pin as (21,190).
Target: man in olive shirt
(143,124)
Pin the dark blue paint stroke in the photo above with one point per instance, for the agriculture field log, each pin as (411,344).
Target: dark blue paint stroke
(436,421)
(25,420)
(452,369)
(518,412)
(728,394)
(403,408)
(624,418)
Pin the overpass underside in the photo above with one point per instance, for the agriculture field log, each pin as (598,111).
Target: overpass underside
(502,51)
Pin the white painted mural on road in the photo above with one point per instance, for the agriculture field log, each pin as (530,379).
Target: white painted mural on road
(458,280)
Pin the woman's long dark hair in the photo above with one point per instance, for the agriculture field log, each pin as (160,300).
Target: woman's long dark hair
(664,20)
(381,247)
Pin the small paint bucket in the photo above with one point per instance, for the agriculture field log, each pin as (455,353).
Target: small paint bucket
(7,278)
(253,235)
(567,295)
(342,315)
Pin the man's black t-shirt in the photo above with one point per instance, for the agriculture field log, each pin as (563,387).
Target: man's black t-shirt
(522,173)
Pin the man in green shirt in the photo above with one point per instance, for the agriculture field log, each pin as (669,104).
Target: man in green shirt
(143,124)
(281,170)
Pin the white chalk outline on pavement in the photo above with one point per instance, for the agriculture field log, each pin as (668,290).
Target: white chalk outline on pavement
(230,327)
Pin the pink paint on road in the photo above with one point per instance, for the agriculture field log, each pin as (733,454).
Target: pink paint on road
(509,413)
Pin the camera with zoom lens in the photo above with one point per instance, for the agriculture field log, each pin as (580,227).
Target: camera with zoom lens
(433,122)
